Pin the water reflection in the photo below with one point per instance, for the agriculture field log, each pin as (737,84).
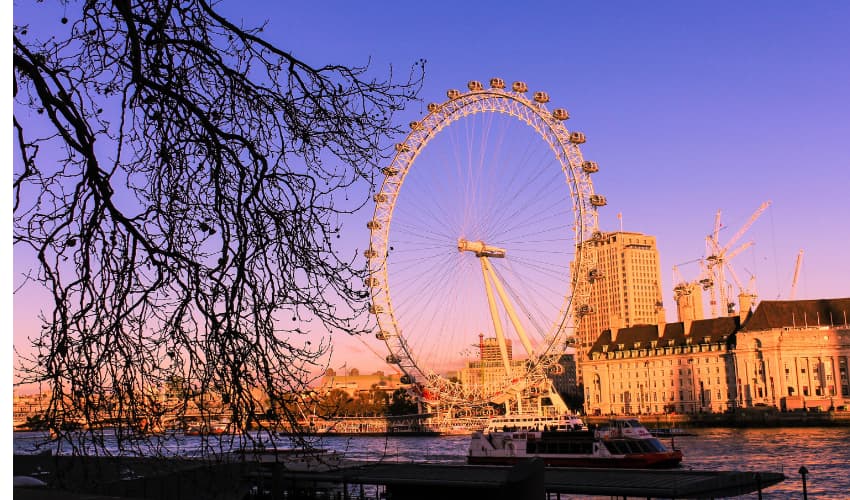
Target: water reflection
(823,451)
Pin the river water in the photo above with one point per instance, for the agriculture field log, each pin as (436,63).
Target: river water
(825,452)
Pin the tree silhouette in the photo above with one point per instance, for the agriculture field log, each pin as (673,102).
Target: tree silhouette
(181,183)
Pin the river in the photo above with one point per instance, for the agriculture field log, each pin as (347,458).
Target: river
(825,452)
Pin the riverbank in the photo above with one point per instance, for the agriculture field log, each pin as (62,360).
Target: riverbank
(742,418)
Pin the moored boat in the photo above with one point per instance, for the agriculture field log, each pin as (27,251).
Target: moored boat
(624,444)
(669,432)
(522,422)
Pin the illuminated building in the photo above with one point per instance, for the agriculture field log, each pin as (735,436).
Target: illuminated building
(625,289)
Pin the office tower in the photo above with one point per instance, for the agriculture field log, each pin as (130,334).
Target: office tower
(627,289)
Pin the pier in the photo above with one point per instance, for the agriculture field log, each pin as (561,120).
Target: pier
(195,479)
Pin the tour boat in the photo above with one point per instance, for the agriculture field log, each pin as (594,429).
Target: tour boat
(623,444)
(215,428)
(522,422)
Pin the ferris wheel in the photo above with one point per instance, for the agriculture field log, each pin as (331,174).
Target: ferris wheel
(479,267)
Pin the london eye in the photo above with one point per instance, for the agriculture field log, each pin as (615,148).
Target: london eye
(479,271)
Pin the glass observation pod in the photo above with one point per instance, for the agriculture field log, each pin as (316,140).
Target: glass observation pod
(541,97)
(402,147)
(597,200)
(392,360)
(417,125)
(389,171)
(433,107)
(520,87)
(371,281)
(380,198)
(405,379)
(382,336)
(577,138)
(560,114)
(590,167)
(453,93)
(376,309)
(594,275)
(497,83)
(584,310)
(370,253)
(373,224)
(475,85)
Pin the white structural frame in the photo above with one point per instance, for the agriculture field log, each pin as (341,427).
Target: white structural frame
(564,145)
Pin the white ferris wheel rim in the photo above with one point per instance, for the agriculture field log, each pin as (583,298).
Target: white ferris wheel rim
(576,175)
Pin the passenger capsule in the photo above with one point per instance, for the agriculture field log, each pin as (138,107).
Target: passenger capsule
(560,114)
(402,147)
(520,87)
(371,281)
(577,138)
(376,309)
(584,309)
(390,171)
(474,85)
(405,379)
(380,198)
(373,224)
(416,126)
(497,83)
(590,167)
(453,93)
(381,336)
(393,360)
(541,97)
(433,107)
(370,253)
(597,200)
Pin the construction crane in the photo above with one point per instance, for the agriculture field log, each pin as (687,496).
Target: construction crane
(718,262)
(796,274)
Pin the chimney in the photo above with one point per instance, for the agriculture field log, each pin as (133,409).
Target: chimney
(745,300)
(686,325)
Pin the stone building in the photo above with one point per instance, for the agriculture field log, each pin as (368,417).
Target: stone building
(787,354)
(794,354)
(353,383)
(683,367)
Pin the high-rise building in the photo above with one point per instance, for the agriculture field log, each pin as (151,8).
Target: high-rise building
(490,350)
(626,289)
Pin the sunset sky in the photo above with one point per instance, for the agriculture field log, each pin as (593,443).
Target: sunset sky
(688,107)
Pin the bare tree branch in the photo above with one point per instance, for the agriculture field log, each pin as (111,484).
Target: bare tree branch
(181,183)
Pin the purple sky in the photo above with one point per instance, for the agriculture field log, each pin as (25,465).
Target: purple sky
(689,108)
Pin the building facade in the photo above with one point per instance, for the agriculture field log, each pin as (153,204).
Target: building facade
(489,369)
(650,369)
(786,354)
(795,354)
(626,287)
